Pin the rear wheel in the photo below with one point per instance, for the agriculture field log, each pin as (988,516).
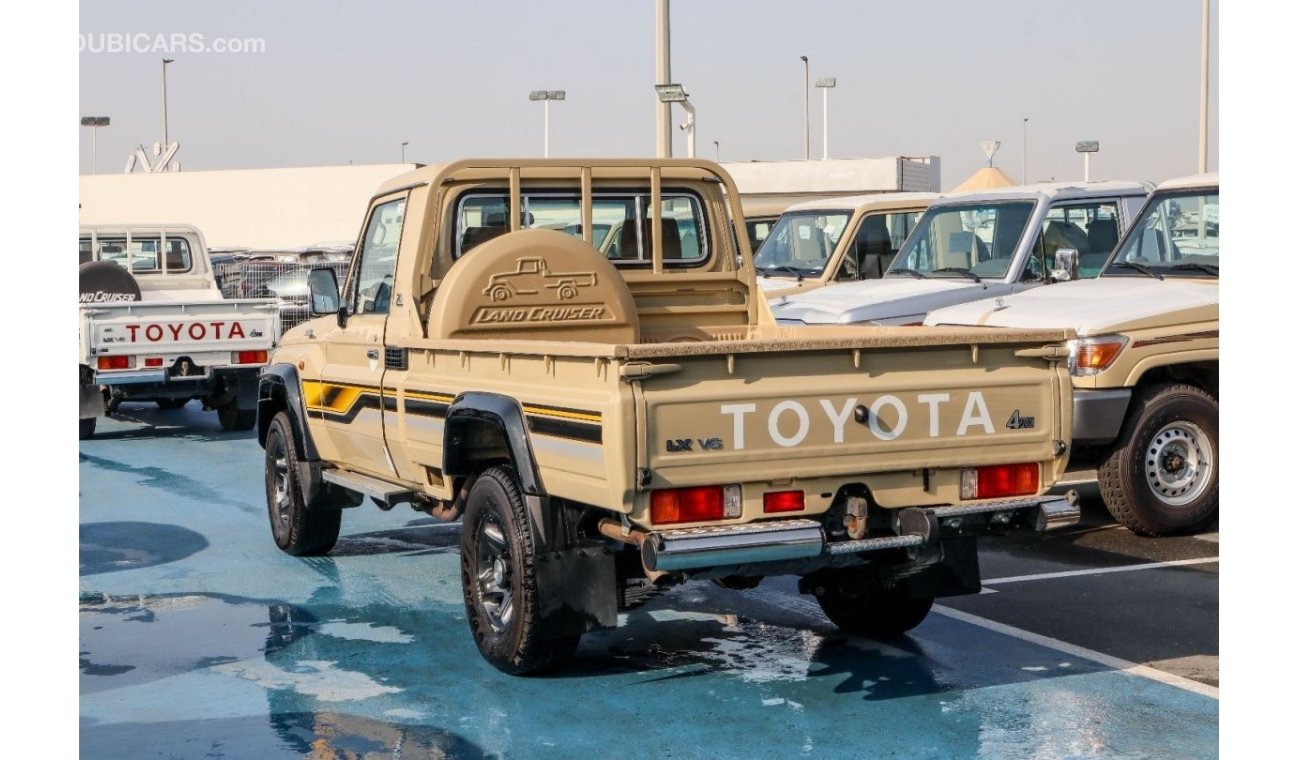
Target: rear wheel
(87,427)
(1163,476)
(497,565)
(296,530)
(232,417)
(855,606)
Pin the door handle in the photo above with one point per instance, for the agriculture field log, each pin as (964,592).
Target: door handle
(372,353)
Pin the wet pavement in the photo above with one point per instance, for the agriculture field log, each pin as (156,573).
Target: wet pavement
(200,639)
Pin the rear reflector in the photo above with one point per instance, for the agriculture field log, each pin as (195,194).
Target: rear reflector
(115,362)
(783,501)
(996,481)
(153,361)
(249,357)
(697,504)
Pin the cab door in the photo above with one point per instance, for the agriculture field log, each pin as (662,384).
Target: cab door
(348,400)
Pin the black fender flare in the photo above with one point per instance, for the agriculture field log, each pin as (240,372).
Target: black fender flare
(282,380)
(504,413)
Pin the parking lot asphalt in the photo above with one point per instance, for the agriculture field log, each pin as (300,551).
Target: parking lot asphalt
(199,638)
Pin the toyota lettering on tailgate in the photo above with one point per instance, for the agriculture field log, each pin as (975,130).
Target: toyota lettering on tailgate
(787,423)
(178,331)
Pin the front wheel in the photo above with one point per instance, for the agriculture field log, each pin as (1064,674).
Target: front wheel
(497,566)
(233,418)
(868,610)
(1162,478)
(296,530)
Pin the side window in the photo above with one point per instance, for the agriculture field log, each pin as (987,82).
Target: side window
(86,252)
(373,276)
(1090,228)
(876,243)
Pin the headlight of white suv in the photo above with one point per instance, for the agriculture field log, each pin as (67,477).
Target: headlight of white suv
(1089,356)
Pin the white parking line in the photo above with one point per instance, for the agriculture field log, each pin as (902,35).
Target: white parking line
(1124,666)
(1100,570)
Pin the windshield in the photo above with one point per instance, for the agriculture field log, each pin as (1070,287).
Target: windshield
(801,243)
(976,239)
(1177,234)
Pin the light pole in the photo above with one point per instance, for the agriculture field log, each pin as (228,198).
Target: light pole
(165,141)
(1024,154)
(804,58)
(717,152)
(1205,87)
(94,122)
(404,144)
(825,83)
(663,75)
(676,93)
(546,96)
(1087,148)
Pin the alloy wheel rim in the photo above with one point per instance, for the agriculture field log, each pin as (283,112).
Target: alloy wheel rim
(493,575)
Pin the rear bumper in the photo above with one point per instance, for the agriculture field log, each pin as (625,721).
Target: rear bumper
(800,545)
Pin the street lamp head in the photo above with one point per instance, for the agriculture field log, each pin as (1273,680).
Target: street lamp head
(826,82)
(546,95)
(169,60)
(803,58)
(1087,146)
(94,121)
(670,93)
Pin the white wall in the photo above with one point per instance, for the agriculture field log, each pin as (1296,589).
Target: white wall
(836,176)
(258,209)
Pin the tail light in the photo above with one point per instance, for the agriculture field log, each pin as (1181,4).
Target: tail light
(248,357)
(696,504)
(783,501)
(1001,480)
(153,361)
(116,362)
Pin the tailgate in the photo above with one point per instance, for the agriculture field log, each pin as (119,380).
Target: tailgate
(168,327)
(779,415)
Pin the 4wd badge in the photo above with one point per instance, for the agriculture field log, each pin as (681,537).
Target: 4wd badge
(1018,422)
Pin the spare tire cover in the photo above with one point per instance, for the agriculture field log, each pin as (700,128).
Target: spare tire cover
(106,282)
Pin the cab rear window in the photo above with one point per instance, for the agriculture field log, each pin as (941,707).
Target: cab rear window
(621,224)
(141,255)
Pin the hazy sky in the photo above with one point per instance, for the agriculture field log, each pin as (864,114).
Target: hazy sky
(340,82)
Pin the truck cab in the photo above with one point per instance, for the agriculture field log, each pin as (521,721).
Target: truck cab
(1145,365)
(977,245)
(852,239)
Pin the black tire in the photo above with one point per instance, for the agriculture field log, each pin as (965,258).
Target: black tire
(233,418)
(857,607)
(1162,477)
(87,427)
(500,582)
(173,403)
(296,530)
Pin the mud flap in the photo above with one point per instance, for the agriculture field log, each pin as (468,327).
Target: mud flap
(577,589)
(91,401)
(957,574)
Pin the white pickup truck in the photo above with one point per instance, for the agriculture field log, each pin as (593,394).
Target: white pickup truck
(154,327)
(1145,365)
(977,245)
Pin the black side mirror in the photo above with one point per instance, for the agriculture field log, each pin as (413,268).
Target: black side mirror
(323,287)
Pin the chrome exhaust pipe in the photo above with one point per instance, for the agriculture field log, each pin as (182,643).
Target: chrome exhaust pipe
(1058,513)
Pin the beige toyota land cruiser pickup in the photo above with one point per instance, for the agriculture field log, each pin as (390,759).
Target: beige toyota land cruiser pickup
(574,358)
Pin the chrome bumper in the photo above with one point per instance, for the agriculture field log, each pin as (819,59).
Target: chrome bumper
(803,540)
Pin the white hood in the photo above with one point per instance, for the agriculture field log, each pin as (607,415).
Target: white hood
(1092,307)
(889,298)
